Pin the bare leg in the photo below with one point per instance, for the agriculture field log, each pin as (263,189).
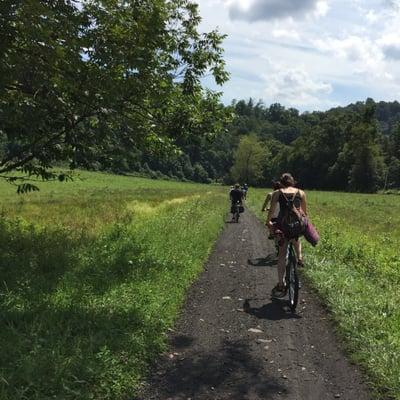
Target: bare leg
(282,262)
(297,249)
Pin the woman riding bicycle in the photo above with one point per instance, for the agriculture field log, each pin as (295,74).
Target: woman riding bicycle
(280,197)
(276,185)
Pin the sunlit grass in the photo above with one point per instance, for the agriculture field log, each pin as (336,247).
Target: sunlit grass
(356,269)
(92,274)
(92,200)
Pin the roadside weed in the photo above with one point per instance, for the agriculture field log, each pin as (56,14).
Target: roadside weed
(356,270)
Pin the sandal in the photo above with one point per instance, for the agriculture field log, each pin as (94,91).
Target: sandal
(279,290)
(300,263)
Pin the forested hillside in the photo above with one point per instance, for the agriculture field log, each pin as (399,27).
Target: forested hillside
(346,148)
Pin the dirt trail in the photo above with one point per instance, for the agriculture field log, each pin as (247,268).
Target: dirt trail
(233,342)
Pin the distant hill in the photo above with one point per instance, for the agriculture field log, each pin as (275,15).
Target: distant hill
(387,113)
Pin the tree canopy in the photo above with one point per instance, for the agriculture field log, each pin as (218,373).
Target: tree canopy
(84,81)
(345,148)
(249,160)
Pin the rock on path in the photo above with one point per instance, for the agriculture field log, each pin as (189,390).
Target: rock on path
(233,342)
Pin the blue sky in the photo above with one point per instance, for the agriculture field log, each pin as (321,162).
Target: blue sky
(308,54)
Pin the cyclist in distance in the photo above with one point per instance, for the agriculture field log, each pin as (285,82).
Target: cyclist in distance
(279,198)
(245,189)
(236,196)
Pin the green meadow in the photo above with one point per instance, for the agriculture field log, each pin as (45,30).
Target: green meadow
(93,273)
(356,271)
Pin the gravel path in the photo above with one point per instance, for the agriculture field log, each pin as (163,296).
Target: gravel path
(233,342)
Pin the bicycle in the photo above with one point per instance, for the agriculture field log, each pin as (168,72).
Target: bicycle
(291,278)
(275,237)
(236,209)
(236,212)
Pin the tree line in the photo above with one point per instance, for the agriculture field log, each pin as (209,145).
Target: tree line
(354,148)
(346,148)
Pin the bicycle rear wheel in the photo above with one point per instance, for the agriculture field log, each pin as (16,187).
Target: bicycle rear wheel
(292,279)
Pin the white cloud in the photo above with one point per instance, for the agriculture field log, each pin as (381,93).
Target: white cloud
(354,54)
(390,45)
(372,16)
(393,4)
(259,10)
(281,33)
(322,9)
(365,54)
(294,86)
(381,12)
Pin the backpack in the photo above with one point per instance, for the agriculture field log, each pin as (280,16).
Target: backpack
(293,221)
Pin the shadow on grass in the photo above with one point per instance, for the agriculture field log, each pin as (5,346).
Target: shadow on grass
(228,372)
(66,333)
(76,353)
(33,259)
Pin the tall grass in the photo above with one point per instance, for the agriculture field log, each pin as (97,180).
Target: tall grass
(85,305)
(92,200)
(356,269)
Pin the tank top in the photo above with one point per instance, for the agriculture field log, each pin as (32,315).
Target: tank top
(282,201)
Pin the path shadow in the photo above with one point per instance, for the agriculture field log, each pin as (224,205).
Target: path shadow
(269,261)
(278,309)
(230,371)
(181,341)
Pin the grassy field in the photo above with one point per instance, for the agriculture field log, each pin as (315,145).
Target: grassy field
(93,273)
(356,269)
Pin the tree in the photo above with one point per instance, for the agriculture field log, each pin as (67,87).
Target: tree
(364,174)
(366,171)
(200,174)
(393,174)
(249,160)
(395,141)
(118,74)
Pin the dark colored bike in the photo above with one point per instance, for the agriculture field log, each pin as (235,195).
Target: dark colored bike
(236,212)
(292,279)
(236,209)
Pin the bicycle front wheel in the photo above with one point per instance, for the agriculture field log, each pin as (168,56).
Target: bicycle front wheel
(292,279)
